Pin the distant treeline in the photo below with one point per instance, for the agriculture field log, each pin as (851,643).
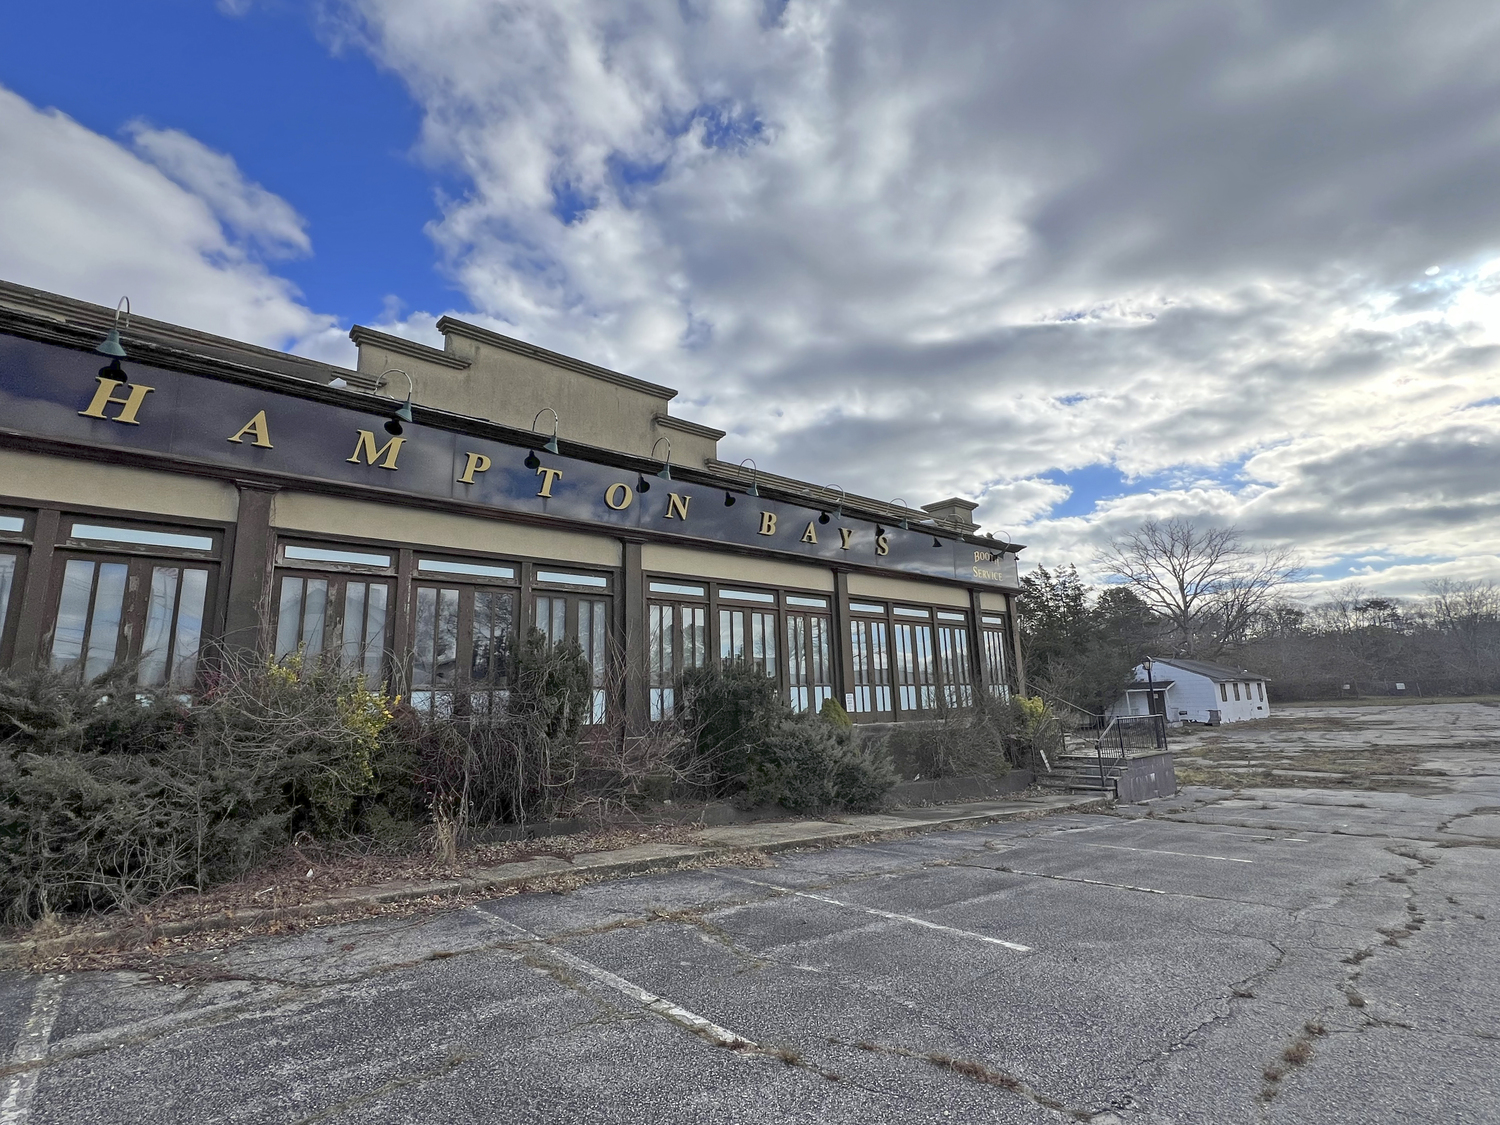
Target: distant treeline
(1082,643)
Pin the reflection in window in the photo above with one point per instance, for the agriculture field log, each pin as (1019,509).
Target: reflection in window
(872,675)
(174,626)
(953,663)
(678,643)
(435,656)
(7,582)
(346,618)
(363,649)
(462,643)
(809,662)
(749,636)
(87,634)
(915,687)
(996,666)
(593,628)
(551,617)
(302,615)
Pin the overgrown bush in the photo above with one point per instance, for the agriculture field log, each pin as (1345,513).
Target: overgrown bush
(809,765)
(978,739)
(515,758)
(111,794)
(751,745)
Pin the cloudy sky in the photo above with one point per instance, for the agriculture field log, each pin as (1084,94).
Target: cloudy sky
(1086,263)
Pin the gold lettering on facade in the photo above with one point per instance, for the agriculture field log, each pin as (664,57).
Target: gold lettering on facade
(845,534)
(811,534)
(767,523)
(258,429)
(882,545)
(548,476)
(677,506)
(619,496)
(385,456)
(105,396)
(473,463)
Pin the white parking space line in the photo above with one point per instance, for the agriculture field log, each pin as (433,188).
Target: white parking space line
(31,1047)
(1163,851)
(648,1000)
(907,918)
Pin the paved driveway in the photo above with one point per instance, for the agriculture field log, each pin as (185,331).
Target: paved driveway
(1277,955)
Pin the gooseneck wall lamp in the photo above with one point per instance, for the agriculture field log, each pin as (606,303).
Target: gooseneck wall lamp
(665,472)
(752,490)
(905,523)
(550,445)
(403,412)
(111,345)
(838,508)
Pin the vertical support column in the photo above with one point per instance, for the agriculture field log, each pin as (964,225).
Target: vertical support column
(401,644)
(843,645)
(247,602)
(637,685)
(29,650)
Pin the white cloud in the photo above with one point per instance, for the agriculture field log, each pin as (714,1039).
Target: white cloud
(84,216)
(253,213)
(947,249)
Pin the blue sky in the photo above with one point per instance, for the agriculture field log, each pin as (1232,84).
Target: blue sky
(1086,264)
(329,132)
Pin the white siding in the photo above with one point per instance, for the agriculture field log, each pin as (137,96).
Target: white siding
(1193,697)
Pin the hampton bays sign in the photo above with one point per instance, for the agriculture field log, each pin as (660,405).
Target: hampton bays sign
(61,393)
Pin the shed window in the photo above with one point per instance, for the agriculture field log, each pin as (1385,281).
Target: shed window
(1260,690)
(1223,693)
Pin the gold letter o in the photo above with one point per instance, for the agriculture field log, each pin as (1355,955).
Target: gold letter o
(619,496)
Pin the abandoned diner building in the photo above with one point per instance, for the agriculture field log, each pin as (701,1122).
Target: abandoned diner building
(166,494)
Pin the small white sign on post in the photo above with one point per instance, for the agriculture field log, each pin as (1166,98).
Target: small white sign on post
(1400,687)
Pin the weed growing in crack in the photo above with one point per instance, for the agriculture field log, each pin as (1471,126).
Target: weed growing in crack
(1240,992)
(1355,999)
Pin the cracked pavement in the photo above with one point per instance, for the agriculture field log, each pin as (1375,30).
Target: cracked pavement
(1277,955)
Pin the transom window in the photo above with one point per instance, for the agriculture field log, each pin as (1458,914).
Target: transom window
(141,536)
(303,554)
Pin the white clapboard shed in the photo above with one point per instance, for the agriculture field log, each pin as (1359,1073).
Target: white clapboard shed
(1195,691)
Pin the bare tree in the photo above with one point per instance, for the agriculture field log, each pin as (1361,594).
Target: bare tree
(1208,584)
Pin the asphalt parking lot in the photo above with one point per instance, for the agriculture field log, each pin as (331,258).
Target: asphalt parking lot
(1265,955)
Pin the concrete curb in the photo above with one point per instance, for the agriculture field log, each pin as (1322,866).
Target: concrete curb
(719,843)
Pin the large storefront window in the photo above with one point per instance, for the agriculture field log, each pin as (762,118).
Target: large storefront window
(809,659)
(677,641)
(916,679)
(926,665)
(954,669)
(463,636)
(582,615)
(748,633)
(872,666)
(117,600)
(994,648)
(13,528)
(335,603)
